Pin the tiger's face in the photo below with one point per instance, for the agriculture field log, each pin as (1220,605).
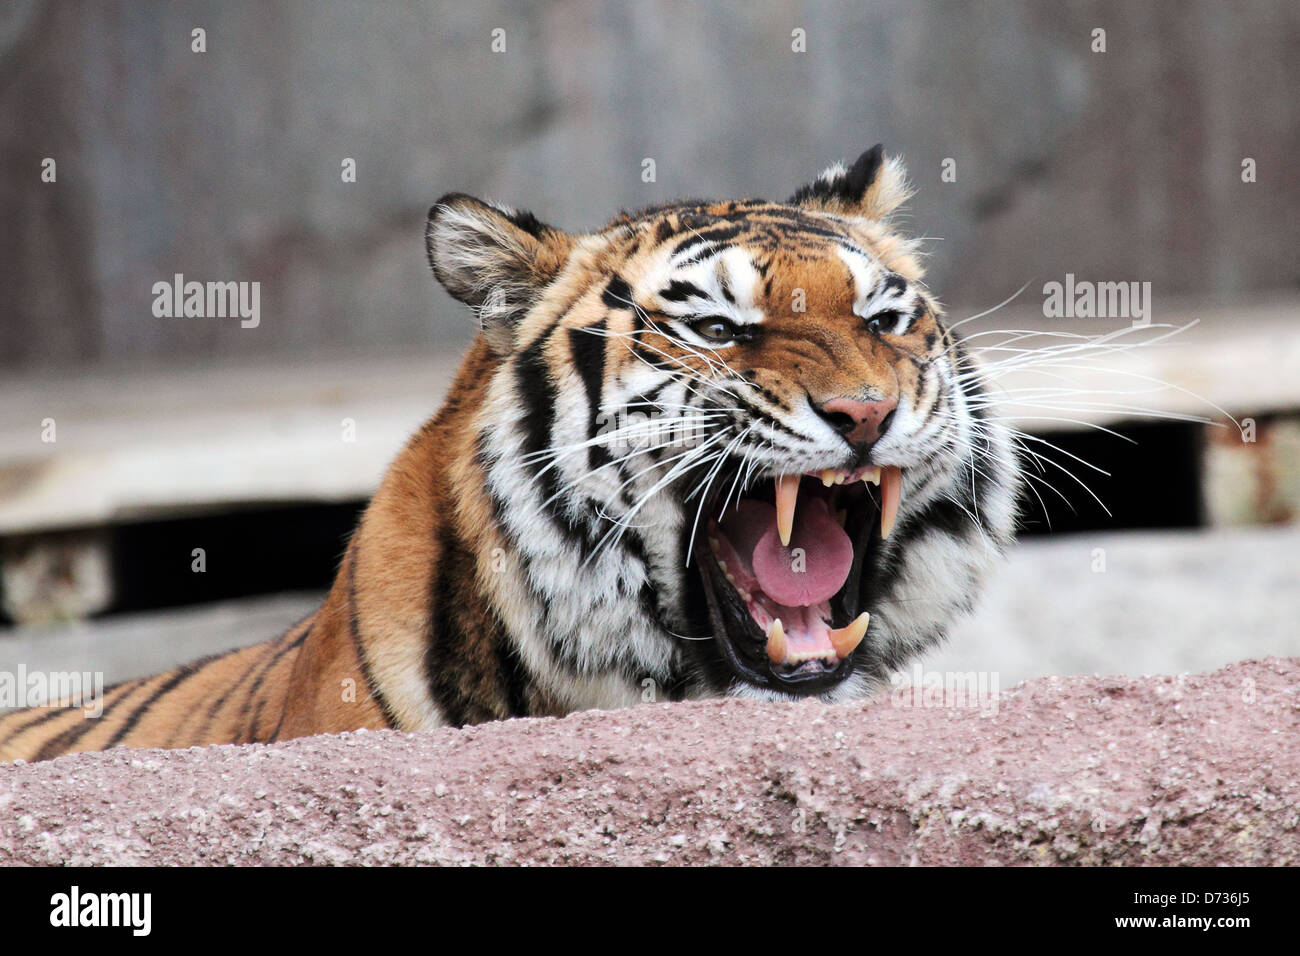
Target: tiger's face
(753,419)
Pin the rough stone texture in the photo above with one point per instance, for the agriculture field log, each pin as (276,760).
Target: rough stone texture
(1191,770)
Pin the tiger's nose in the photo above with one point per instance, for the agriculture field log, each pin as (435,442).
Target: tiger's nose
(861,423)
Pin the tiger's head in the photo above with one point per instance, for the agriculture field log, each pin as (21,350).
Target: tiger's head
(738,431)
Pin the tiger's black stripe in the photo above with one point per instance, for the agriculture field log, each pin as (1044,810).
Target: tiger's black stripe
(41,718)
(266,669)
(892,282)
(679,290)
(223,693)
(451,645)
(499,508)
(247,735)
(69,738)
(713,238)
(181,676)
(617,294)
(516,677)
(943,516)
(588,351)
(58,744)
(445,638)
(533,378)
(358,646)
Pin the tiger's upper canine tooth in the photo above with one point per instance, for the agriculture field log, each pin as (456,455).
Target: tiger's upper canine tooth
(777,650)
(891,493)
(787,493)
(847,638)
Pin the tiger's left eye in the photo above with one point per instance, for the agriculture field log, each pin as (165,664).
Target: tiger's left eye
(884,321)
(716,329)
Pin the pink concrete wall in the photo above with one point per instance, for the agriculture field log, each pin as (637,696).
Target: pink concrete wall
(1194,770)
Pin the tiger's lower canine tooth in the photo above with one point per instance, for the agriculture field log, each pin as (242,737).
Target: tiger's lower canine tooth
(891,493)
(777,651)
(847,638)
(787,493)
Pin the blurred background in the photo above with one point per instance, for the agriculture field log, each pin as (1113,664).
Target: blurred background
(171,486)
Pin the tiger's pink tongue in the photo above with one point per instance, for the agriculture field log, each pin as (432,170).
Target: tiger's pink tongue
(814,566)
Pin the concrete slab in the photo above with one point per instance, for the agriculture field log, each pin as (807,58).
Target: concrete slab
(1075,771)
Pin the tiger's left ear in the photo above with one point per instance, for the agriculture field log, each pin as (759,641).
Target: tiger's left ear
(495,259)
(873,187)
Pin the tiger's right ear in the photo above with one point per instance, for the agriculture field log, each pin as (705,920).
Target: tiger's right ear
(873,187)
(494,259)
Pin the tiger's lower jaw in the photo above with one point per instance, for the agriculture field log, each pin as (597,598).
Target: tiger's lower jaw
(785,583)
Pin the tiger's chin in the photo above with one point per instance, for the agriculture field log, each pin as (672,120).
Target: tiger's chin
(784,571)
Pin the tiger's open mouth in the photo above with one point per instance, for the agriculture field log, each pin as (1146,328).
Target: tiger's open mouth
(782,571)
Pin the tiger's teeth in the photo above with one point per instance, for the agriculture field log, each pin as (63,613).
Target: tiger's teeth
(726,572)
(787,493)
(847,638)
(871,476)
(891,493)
(777,651)
(828,477)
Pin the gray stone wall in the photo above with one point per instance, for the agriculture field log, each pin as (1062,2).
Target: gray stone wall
(1122,165)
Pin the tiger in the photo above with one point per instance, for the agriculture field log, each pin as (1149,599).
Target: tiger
(713,449)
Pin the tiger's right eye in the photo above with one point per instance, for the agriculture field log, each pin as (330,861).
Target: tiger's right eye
(716,329)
